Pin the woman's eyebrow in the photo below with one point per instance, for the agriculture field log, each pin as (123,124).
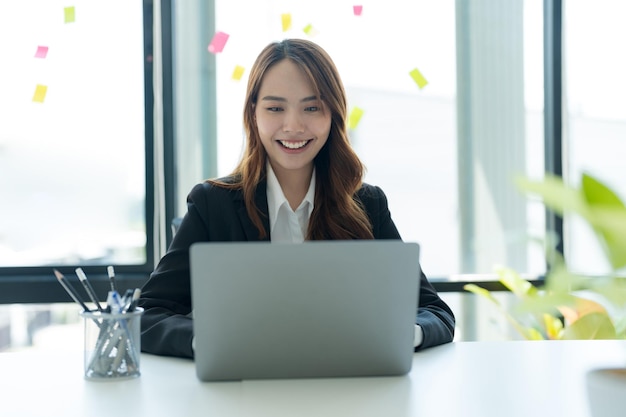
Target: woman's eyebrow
(276,98)
(273,98)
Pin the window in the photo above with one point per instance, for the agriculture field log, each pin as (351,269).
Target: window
(594,112)
(446,152)
(75,141)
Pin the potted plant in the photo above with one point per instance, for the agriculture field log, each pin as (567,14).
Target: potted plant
(570,305)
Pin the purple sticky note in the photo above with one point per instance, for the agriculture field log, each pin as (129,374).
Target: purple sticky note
(218,42)
(42,51)
(357,10)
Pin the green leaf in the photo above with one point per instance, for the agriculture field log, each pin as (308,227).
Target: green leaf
(556,195)
(561,281)
(595,202)
(609,224)
(516,284)
(554,326)
(607,216)
(598,193)
(591,326)
(545,303)
(526,332)
(533,334)
(475,289)
(613,289)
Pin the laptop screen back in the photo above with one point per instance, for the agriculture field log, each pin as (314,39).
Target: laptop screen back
(316,309)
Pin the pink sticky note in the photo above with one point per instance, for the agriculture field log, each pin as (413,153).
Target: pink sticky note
(218,42)
(42,51)
(357,10)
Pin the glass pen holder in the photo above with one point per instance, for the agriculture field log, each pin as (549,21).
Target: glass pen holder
(112,344)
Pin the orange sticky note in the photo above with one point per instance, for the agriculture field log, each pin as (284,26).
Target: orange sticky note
(218,42)
(70,14)
(40,93)
(42,52)
(238,72)
(357,10)
(286,20)
(355,117)
(418,78)
(310,30)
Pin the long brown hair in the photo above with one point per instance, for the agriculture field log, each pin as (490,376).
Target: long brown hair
(339,173)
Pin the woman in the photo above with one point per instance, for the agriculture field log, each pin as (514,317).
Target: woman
(299,179)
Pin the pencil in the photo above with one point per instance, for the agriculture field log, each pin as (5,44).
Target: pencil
(70,290)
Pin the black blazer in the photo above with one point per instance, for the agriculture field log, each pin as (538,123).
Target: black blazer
(218,214)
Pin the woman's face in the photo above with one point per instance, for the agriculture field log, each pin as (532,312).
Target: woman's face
(292,121)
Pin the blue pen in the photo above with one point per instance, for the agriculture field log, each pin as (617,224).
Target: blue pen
(114,302)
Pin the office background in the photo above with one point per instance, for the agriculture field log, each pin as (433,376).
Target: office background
(112,111)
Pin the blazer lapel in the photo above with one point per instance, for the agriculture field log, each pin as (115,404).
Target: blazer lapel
(260,199)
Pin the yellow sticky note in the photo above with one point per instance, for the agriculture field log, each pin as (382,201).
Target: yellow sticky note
(238,72)
(418,78)
(40,93)
(310,30)
(286,19)
(70,14)
(355,117)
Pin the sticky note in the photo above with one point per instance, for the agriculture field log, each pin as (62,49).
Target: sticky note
(42,52)
(357,10)
(218,42)
(286,19)
(238,72)
(355,117)
(70,14)
(40,93)
(310,30)
(418,78)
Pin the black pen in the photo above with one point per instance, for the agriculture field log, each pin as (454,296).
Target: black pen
(70,290)
(111,273)
(88,288)
(134,300)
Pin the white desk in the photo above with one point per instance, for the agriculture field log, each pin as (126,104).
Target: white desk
(461,379)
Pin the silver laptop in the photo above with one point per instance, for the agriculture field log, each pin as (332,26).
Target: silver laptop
(315,309)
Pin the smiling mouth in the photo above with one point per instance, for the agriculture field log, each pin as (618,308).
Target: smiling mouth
(294,144)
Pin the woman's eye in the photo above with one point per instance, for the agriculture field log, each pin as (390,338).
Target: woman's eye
(312,108)
(274,109)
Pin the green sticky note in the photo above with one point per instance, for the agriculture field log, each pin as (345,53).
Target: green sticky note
(355,117)
(418,78)
(70,14)
(310,30)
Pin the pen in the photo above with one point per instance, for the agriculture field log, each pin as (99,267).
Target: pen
(114,303)
(70,290)
(134,300)
(128,295)
(88,288)
(111,273)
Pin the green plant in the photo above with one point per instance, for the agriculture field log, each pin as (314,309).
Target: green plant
(570,305)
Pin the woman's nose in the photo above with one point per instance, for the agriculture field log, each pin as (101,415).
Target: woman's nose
(293,123)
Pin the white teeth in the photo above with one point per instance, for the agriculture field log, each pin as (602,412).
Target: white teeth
(294,145)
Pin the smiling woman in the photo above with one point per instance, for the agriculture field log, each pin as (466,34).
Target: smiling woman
(282,193)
